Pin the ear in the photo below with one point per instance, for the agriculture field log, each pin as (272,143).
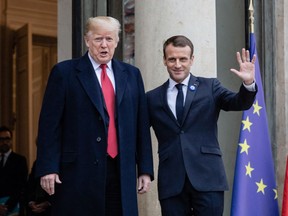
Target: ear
(164,61)
(192,60)
(116,45)
(86,39)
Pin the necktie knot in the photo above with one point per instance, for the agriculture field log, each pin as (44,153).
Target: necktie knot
(103,67)
(103,72)
(179,86)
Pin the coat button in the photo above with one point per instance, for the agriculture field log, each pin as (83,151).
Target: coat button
(98,139)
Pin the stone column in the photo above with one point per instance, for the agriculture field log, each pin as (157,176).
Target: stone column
(281,95)
(64,36)
(156,21)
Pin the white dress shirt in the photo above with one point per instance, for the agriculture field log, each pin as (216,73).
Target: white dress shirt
(172,92)
(98,71)
(6,155)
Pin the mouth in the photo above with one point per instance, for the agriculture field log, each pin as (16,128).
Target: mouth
(178,71)
(103,53)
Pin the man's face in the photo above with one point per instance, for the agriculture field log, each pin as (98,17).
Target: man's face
(178,62)
(5,141)
(101,44)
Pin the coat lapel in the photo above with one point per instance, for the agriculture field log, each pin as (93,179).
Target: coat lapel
(90,83)
(121,78)
(191,90)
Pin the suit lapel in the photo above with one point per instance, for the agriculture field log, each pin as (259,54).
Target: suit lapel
(191,90)
(90,83)
(164,101)
(8,160)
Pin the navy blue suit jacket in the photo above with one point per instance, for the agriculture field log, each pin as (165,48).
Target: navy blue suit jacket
(192,148)
(72,138)
(13,177)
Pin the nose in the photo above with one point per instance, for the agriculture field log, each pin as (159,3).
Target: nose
(104,42)
(177,63)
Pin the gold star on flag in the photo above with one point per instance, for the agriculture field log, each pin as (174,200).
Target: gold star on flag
(261,186)
(257,108)
(276,194)
(244,147)
(249,169)
(247,124)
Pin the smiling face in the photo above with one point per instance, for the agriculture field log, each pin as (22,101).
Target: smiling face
(178,61)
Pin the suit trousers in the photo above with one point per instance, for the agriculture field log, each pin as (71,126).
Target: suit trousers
(113,188)
(191,202)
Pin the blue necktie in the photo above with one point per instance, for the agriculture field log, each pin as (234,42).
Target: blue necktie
(179,103)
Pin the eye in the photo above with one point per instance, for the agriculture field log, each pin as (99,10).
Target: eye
(171,60)
(183,60)
(98,39)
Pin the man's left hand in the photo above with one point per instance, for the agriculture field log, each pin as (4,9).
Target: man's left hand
(143,183)
(246,67)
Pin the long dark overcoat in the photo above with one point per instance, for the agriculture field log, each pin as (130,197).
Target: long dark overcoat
(72,138)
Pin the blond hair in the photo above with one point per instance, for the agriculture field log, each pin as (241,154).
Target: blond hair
(107,22)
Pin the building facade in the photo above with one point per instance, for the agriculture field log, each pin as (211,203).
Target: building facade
(36,34)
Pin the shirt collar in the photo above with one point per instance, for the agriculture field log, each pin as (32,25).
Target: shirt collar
(97,65)
(185,82)
(7,153)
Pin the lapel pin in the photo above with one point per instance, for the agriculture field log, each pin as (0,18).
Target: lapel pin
(192,87)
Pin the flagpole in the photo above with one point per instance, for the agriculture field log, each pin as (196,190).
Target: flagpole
(251,17)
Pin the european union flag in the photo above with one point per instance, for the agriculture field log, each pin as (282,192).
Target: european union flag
(254,189)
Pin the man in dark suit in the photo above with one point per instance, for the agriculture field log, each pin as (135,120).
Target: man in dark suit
(77,127)
(191,174)
(13,174)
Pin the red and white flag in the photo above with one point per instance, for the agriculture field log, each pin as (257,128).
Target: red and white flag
(285,193)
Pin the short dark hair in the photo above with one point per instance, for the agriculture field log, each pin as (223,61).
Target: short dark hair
(5,128)
(178,41)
